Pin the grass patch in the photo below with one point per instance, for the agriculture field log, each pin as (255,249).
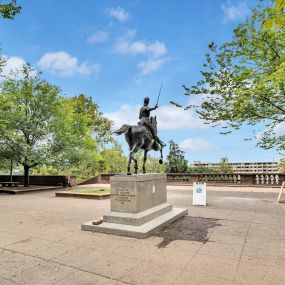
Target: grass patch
(94,191)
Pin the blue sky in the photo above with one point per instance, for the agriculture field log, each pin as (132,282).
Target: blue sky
(118,52)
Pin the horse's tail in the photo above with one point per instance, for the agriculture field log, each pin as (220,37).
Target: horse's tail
(122,130)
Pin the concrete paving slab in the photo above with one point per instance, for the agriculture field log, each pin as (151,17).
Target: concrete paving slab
(40,248)
(155,273)
(227,251)
(252,273)
(194,278)
(45,273)
(261,243)
(112,265)
(218,267)
(78,257)
(266,231)
(178,253)
(233,227)
(86,278)
(7,238)
(227,238)
(263,257)
(12,263)
(266,219)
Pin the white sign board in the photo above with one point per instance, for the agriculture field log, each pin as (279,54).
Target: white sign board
(199,194)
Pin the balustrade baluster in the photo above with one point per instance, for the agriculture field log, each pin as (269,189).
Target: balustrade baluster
(277,179)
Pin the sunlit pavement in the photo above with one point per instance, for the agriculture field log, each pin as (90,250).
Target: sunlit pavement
(41,242)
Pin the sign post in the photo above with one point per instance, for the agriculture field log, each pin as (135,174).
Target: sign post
(281,191)
(199,194)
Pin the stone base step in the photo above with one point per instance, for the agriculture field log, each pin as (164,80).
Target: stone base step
(139,218)
(142,231)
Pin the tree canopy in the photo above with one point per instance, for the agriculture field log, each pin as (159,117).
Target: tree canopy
(278,19)
(38,126)
(28,110)
(9,10)
(243,80)
(176,162)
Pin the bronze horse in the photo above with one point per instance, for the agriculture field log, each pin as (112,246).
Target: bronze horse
(140,137)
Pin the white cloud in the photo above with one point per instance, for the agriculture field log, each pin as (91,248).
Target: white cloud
(13,64)
(196,144)
(235,12)
(118,13)
(169,118)
(64,64)
(150,65)
(13,67)
(155,49)
(98,37)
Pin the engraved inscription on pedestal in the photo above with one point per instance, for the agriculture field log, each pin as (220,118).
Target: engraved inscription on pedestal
(123,195)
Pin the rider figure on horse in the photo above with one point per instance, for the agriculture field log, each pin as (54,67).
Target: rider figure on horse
(145,119)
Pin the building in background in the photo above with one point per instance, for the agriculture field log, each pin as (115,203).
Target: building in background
(242,167)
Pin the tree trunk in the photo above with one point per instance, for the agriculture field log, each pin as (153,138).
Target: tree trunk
(26,175)
(11,170)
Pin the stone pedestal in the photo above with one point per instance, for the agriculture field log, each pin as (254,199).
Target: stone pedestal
(138,206)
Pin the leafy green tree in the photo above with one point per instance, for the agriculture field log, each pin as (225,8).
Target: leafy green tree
(279,19)
(176,162)
(87,117)
(9,10)
(28,121)
(82,130)
(243,81)
(113,159)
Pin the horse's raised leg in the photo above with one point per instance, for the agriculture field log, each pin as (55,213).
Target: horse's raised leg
(144,160)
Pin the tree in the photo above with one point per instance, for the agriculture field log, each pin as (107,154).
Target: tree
(176,162)
(88,118)
(28,121)
(113,159)
(10,9)
(279,19)
(82,130)
(244,80)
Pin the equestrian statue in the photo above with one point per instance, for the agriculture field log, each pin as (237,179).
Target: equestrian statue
(142,136)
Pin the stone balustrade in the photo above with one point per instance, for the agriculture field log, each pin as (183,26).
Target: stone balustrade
(257,179)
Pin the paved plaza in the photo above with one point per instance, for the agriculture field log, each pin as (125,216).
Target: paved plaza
(41,242)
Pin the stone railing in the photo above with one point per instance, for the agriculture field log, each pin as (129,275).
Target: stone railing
(256,179)
(261,179)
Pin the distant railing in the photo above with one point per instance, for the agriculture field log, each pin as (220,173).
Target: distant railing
(257,179)
(274,179)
